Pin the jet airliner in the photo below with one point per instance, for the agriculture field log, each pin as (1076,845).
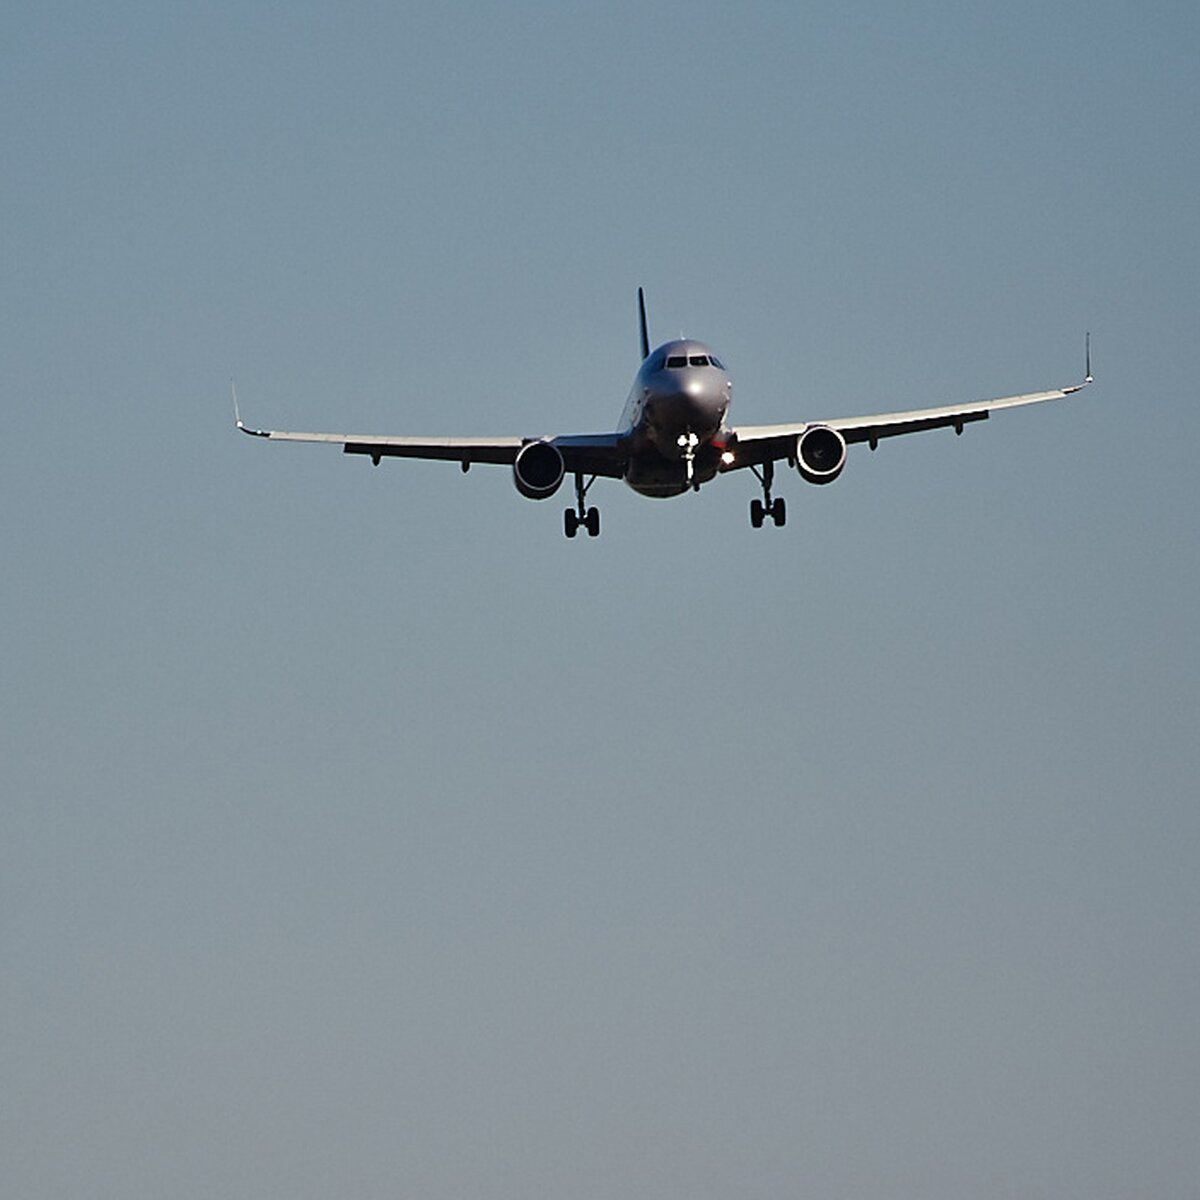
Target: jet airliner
(674,436)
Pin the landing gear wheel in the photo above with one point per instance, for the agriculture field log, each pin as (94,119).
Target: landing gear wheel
(589,518)
(766,507)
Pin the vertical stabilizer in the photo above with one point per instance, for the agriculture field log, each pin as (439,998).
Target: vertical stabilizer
(642,321)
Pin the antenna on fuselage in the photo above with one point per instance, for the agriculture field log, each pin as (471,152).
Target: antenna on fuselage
(642,322)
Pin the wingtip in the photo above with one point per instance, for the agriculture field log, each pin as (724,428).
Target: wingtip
(1088,377)
(237,416)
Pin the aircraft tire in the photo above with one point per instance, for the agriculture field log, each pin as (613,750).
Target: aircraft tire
(756,513)
(570,522)
(779,513)
(592,522)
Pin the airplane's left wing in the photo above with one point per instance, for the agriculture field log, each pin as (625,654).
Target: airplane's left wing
(753,445)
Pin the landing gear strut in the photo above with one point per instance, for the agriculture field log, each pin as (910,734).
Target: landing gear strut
(589,518)
(688,442)
(766,507)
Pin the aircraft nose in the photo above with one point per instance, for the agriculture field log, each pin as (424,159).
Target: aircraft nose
(703,399)
(689,402)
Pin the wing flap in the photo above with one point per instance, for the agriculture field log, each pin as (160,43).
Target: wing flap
(460,450)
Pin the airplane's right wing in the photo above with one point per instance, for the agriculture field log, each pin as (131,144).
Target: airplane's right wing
(588,454)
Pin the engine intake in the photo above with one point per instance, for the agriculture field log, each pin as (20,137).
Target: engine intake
(820,454)
(538,470)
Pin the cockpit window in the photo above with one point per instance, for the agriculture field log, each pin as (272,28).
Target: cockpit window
(698,360)
(716,362)
(656,361)
(676,361)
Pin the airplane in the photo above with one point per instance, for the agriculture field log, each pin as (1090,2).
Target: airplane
(674,437)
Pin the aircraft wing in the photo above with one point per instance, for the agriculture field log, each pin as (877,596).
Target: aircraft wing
(757,444)
(590,454)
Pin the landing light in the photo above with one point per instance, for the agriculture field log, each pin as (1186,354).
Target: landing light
(727,458)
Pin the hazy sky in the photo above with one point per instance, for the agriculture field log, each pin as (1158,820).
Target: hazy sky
(362,836)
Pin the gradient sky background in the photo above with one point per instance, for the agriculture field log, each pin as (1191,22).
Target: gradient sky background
(362,836)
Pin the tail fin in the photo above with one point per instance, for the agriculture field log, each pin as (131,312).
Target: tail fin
(642,321)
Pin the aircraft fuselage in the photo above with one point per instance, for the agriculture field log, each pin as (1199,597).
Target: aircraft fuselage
(674,419)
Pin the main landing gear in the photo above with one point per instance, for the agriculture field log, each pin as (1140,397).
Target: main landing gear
(760,509)
(589,518)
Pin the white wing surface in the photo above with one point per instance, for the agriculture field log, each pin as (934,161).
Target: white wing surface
(592,454)
(756,444)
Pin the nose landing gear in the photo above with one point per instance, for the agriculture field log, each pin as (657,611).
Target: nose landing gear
(766,507)
(688,442)
(589,518)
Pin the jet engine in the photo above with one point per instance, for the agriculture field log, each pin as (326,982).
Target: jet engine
(538,470)
(820,454)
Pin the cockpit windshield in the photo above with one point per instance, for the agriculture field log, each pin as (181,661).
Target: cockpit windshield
(676,361)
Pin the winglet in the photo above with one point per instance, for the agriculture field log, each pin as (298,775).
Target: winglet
(237,416)
(1088,377)
(642,322)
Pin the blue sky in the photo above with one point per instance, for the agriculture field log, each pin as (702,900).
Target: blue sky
(360,834)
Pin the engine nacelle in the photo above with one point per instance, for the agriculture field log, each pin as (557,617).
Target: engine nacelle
(538,470)
(820,454)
